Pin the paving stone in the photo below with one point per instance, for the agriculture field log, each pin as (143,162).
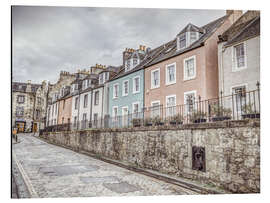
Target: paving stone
(122,187)
(88,180)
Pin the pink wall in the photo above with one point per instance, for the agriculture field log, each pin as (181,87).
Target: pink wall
(66,111)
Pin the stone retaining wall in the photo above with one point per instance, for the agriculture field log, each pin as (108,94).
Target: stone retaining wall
(232,150)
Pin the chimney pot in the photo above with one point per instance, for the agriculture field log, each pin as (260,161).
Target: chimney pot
(28,81)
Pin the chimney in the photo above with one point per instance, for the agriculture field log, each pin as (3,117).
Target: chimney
(28,82)
(234,15)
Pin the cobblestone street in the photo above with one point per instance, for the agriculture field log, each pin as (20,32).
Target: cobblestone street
(52,171)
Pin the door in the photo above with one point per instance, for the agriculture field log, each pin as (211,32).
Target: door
(35,127)
(125,116)
(20,127)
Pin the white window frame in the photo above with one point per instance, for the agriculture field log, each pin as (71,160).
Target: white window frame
(167,74)
(195,69)
(152,78)
(123,88)
(234,60)
(179,40)
(167,107)
(235,86)
(152,102)
(134,84)
(96,104)
(186,93)
(115,107)
(133,104)
(116,84)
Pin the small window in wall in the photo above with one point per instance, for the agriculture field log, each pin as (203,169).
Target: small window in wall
(96,98)
(125,88)
(155,81)
(189,99)
(239,55)
(171,74)
(190,68)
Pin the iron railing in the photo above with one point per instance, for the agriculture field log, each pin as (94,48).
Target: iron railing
(237,106)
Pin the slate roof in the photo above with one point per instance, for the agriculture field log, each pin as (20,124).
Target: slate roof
(15,87)
(191,28)
(251,29)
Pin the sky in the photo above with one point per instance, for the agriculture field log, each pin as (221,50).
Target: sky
(46,40)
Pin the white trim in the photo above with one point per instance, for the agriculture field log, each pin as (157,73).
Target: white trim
(123,88)
(133,106)
(234,61)
(157,101)
(240,85)
(116,84)
(195,69)
(185,93)
(134,85)
(172,95)
(167,76)
(152,86)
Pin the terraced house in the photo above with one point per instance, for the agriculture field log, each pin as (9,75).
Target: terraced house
(186,70)
(239,63)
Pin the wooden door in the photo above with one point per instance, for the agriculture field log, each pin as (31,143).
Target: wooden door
(35,127)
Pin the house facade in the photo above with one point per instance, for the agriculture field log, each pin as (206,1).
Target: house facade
(239,61)
(186,70)
(23,106)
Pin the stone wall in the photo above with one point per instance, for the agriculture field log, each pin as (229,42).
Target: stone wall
(232,150)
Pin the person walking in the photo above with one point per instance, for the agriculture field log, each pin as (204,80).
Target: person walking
(14,133)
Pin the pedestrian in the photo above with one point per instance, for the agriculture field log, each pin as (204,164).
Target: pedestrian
(14,134)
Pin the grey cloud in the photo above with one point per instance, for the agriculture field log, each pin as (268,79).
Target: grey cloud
(49,39)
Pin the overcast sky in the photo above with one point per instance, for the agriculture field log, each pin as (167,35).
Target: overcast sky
(47,40)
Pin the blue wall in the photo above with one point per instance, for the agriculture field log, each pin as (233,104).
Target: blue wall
(122,101)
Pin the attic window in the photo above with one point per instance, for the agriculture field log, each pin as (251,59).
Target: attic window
(193,37)
(182,41)
(135,61)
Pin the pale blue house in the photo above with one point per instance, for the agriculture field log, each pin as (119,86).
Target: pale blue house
(126,89)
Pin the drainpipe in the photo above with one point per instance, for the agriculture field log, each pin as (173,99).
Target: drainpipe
(91,106)
(102,104)
(79,108)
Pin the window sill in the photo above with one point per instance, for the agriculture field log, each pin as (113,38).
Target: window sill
(155,87)
(171,83)
(191,78)
(136,92)
(239,69)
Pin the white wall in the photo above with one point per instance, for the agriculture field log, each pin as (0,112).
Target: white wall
(98,108)
(86,110)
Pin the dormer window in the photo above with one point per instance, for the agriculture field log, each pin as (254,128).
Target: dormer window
(193,37)
(182,41)
(135,62)
(101,78)
(128,65)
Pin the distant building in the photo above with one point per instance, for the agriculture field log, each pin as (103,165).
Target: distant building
(24,106)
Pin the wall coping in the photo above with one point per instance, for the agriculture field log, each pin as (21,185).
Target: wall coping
(212,125)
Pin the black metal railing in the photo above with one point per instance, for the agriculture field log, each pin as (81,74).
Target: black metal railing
(237,106)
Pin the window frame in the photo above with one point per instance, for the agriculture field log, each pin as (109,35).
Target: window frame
(187,93)
(235,68)
(95,98)
(115,107)
(159,112)
(116,84)
(167,74)
(133,104)
(76,103)
(152,78)
(179,41)
(85,96)
(123,88)
(134,84)
(195,69)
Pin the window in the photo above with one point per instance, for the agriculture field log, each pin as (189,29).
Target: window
(171,74)
(20,99)
(240,97)
(135,62)
(101,78)
(193,37)
(88,83)
(19,111)
(190,68)
(125,88)
(171,105)
(115,90)
(136,84)
(155,78)
(64,102)
(135,107)
(39,100)
(182,41)
(84,84)
(55,112)
(37,114)
(84,116)
(76,102)
(75,121)
(63,120)
(96,98)
(85,100)
(107,74)
(127,65)
(239,55)
(115,111)
(155,109)
(189,100)
(95,118)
